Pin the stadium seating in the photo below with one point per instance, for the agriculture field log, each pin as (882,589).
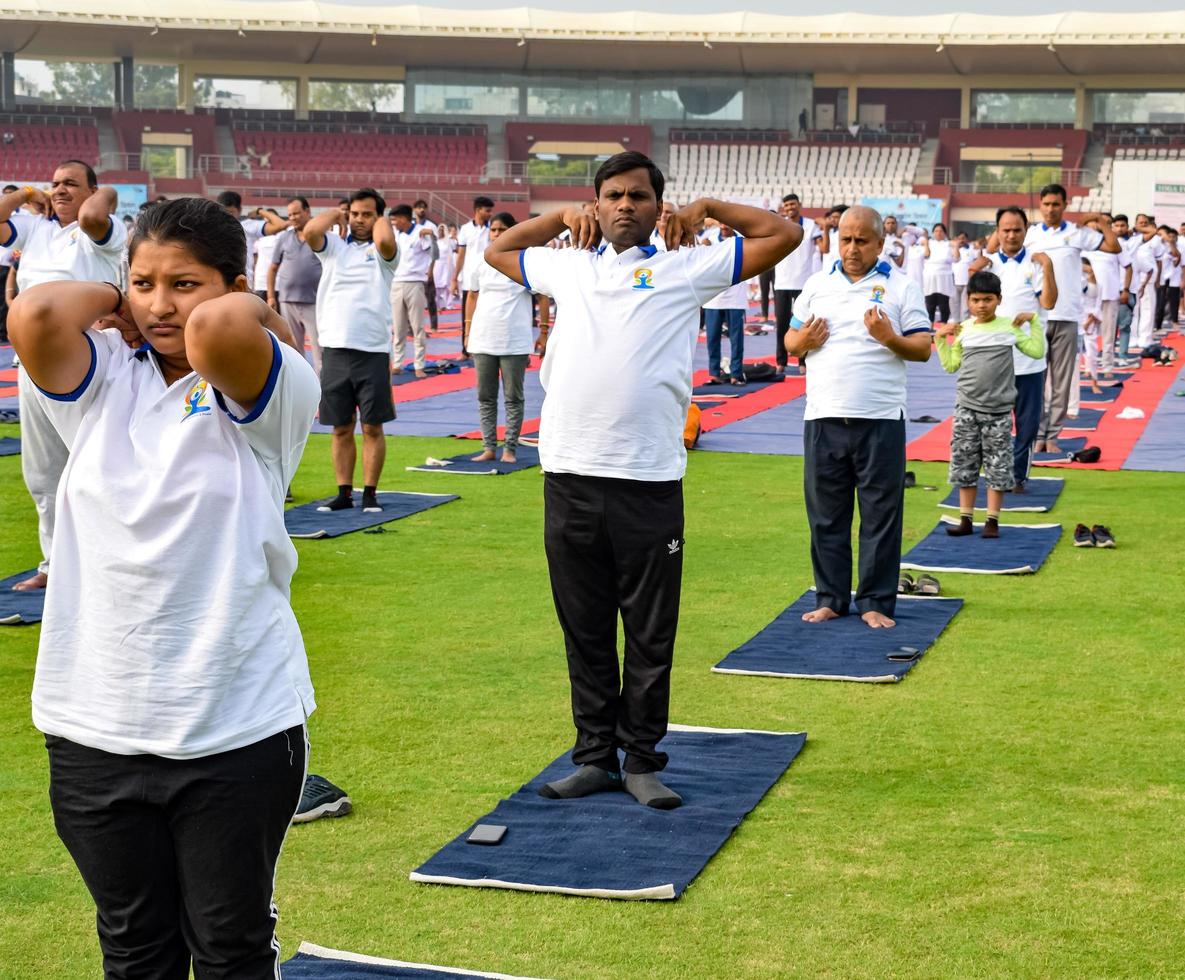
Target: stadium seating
(820,174)
(36,149)
(380,153)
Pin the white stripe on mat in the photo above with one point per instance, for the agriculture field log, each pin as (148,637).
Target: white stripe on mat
(659,892)
(885,679)
(324,952)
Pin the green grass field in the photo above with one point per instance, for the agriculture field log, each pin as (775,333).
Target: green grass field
(1013,808)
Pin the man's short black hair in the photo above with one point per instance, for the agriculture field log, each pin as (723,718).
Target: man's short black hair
(838,209)
(369,194)
(482,202)
(1123,218)
(1053,189)
(230,199)
(91,180)
(1012,209)
(984,282)
(344,200)
(419,203)
(786,199)
(9,188)
(621,163)
(301,200)
(402,211)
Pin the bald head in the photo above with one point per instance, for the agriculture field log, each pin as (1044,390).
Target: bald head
(861,238)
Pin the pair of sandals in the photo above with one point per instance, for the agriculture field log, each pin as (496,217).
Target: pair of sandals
(924,585)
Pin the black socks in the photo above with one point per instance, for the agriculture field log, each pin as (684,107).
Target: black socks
(343,501)
(583,782)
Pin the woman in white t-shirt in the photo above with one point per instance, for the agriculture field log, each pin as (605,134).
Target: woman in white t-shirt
(501,337)
(171,682)
(938,276)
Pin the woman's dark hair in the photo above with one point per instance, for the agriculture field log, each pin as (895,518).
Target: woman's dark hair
(942,226)
(1013,209)
(621,163)
(230,199)
(505,217)
(984,282)
(369,194)
(209,232)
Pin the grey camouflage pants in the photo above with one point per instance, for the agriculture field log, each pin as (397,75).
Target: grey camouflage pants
(980,439)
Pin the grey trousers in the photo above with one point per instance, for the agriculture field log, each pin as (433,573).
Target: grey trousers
(1062,338)
(1107,331)
(302,318)
(512,367)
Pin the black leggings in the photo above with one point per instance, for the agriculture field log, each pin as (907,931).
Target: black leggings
(940,303)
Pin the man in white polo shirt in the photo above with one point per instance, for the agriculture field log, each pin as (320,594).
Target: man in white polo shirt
(256,225)
(1064,242)
(791,274)
(1147,255)
(856,325)
(420,220)
(1108,274)
(1028,284)
(354,323)
(75,238)
(414,245)
(618,382)
(472,239)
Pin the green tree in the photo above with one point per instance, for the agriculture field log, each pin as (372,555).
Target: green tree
(354,96)
(83,83)
(156,86)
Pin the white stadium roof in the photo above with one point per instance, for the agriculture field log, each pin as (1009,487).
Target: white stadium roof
(1069,44)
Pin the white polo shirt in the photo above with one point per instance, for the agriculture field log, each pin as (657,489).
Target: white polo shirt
(51,253)
(962,268)
(1021,282)
(503,318)
(414,255)
(1145,257)
(852,375)
(354,295)
(1107,272)
(797,267)
(253,229)
(619,358)
(168,628)
(475,239)
(1064,245)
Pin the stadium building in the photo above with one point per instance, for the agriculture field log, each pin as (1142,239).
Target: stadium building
(932,116)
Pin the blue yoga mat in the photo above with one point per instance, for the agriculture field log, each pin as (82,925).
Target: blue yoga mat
(1068,447)
(20,608)
(1041,493)
(1106,395)
(313,962)
(528,456)
(609,845)
(407,374)
(10,446)
(843,649)
(1019,550)
(1087,421)
(306,521)
(727,390)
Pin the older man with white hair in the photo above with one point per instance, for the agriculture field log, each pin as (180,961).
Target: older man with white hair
(856,324)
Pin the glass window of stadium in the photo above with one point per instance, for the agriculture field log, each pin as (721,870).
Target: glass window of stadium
(155,86)
(466,100)
(331,96)
(1139,107)
(576,99)
(81,83)
(1010,107)
(244,93)
(694,101)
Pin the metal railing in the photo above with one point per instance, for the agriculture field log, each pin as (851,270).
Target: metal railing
(864,136)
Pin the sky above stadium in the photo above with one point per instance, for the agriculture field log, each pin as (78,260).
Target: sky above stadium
(908,8)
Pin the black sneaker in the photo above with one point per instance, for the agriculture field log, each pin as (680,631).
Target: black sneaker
(1102,537)
(370,504)
(321,799)
(1083,537)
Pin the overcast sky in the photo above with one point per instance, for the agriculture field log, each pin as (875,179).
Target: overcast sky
(915,7)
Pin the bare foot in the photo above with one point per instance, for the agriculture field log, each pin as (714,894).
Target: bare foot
(1095,389)
(878,620)
(820,615)
(484,456)
(508,456)
(421,374)
(32,584)
(1051,446)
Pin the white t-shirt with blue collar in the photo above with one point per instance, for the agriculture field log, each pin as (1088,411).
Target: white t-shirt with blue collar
(1021,282)
(1064,244)
(168,628)
(619,358)
(51,252)
(354,295)
(852,375)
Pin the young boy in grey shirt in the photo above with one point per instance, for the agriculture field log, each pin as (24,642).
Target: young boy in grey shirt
(980,350)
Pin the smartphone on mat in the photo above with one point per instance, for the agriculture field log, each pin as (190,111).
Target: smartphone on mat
(487,833)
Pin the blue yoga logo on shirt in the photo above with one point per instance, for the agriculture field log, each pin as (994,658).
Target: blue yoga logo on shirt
(642,279)
(878,294)
(195,400)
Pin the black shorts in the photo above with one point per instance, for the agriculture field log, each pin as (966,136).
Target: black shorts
(355,379)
